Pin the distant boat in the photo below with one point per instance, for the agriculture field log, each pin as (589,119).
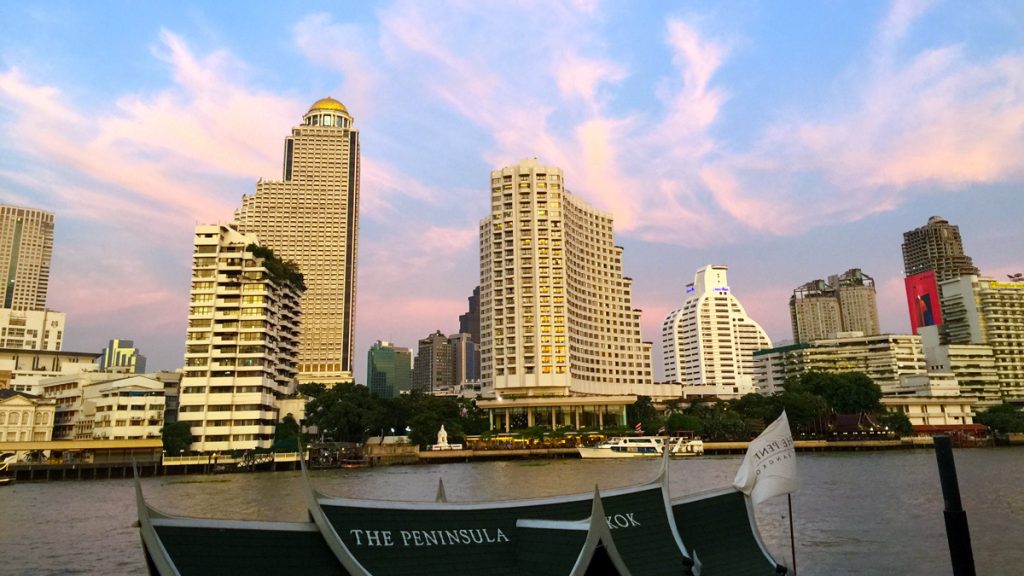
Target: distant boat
(636,530)
(643,447)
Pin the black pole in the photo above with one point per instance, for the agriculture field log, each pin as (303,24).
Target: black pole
(792,539)
(957,532)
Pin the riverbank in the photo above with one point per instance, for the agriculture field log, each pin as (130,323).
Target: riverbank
(208,464)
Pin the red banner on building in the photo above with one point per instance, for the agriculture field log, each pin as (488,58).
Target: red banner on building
(923,300)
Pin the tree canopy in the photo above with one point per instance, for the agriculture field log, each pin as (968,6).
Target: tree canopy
(1002,418)
(177,437)
(281,271)
(350,413)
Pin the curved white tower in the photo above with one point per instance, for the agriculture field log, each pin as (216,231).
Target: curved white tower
(710,340)
(556,313)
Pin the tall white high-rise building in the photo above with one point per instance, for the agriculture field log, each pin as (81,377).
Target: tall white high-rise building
(26,247)
(311,216)
(986,311)
(556,313)
(710,341)
(242,344)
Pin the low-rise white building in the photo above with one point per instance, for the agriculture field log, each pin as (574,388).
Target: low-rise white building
(31,329)
(24,370)
(931,400)
(97,405)
(25,417)
(128,408)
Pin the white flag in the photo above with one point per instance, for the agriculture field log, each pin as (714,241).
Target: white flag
(769,468)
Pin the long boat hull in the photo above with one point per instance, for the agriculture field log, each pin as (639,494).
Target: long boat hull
(636,530)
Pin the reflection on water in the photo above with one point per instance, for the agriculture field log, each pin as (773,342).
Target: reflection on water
(856,513)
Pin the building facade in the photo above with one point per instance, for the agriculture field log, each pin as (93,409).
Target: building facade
(104,405)
(25,417)
(311,217)
(983,311)
(242,343)
(121,355)
(128,408)
(936,246)
(465,359)
(31,329)
(469,323)
(710,341)
(846,303)
(884,358)
(556,313)
(433,369)
(388,369)
(25,370)
(26,248)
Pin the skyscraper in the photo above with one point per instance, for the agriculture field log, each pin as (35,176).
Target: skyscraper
(556,313)
(936,246)
(388,369)
(242,342)
(26,247)
(846,303)
(433,368)
(465,358)
(710,341)
(469,324)
(311,217)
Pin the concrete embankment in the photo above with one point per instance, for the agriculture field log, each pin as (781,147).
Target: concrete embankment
(709,449)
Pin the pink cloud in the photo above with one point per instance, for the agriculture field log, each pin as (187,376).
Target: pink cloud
(140,175)
(935,123)
(383,185)
(582,77)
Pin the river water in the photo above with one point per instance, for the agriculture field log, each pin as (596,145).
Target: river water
(855,513)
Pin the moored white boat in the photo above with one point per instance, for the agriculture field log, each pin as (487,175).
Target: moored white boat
(643,446)
(626,447)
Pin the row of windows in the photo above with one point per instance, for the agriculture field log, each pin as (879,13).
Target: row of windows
(22,418)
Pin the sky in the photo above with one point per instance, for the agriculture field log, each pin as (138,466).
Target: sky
(786,140)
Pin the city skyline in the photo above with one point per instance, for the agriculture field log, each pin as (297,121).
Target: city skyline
(784,150)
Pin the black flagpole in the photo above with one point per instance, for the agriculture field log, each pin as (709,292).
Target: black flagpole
(792,540)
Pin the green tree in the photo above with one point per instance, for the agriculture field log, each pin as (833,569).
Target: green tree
(474,419)
(719,422)
(644,412)
(287,435)
(346,413)
(177,437)
(679,422)
(423,414)
(805,411)
(845,392)
(312,389)
(897,422)
(1002,418)
(758,408)
(724,425)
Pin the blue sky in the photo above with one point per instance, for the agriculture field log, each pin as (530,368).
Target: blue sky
(788,141)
